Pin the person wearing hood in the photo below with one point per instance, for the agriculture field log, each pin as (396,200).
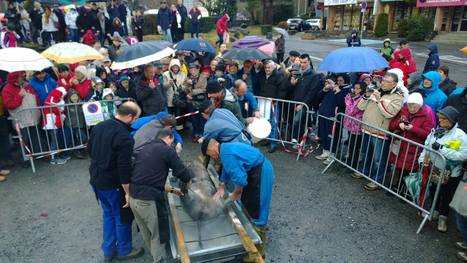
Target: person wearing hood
(88,38)
(403,60)
(222,27)
(108,97)
(64,76)
(432,63)
(414,122)
(354,40)
(429,88)
(224,99)
(400,82)
(104,25)
(18,95)
(447,85)
(125,88)
(70,20)
(118,44)
(80,82)
(174,85)
(43,84)
(75,122)
(150,92)
(387,50)
(459,102)
(53,123)
(451,142)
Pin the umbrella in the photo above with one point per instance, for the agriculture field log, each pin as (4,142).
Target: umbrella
(22,59)
(243,54)
(281,31)
(71,52)
(196,45)
(268,48)
(142,53)
(250,41)
(464,49)
(353,59)
(62,2)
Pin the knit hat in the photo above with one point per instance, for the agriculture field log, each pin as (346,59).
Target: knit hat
(415,98)
(451,113)
(194,65)
(82,69)
(213,86)
(204,106)
(62,90)
(206,69)
(97,80)
(106,92)
(220,67)
(158,64)
(294,53)
(124,77)
(364,76)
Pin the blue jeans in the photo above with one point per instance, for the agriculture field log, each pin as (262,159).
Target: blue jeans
(462,226)
(274,119)
(73,35)
(221,40)
(167,35)
(195,30)
(198,124)
(117,236)
(373,155)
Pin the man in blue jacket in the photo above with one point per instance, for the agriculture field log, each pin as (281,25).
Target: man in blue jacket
(164,19)
(429,88)
(432,63)
(43,84)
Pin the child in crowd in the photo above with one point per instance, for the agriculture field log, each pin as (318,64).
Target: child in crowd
(10,39)
(88,38)
(96,93)
(76,122)
(110,110)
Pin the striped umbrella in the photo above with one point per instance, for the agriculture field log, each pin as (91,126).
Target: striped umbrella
(71,52)
(22,59)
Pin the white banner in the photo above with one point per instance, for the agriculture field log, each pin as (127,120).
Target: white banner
(339,2)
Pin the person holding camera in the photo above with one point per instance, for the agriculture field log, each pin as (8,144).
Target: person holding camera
(174,85)
(196,87)
(380,106)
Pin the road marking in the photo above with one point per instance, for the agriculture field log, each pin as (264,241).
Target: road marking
(449,58)
(316,58)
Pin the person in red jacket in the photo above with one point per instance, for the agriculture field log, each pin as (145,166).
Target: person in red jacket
(18,96)
(53,120)
(414,122)
(222,26)
(80,82)
(403,60)
(10,38)
(88,38)
(64,76)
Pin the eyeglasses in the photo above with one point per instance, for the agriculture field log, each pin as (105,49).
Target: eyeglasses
(387,81)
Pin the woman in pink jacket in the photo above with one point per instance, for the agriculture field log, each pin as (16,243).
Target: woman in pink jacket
(222,26)
(354,128)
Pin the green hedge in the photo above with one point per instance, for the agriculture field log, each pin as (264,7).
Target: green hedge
(381,28)
(416,28)
(403,27)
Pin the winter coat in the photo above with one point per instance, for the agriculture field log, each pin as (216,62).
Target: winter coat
(123,93)
(352,110)
(84,20)
(354,41)
(74,113)
(154,100)
(459,101)
(36,18)
(65,80)
(195,15)
(94,95)
(230,102)
(274,86)
(222,25)
(138,22)
(70,19)
(433,97)
(10,40)
(432,63)
(164,18)
(331,101)
(422,123)
(280,45)
(307,88)
(448,86)
(15,103)
(380,114)
(54,117)
(113,11)
(183,13)
(407,64)
(43,88)
(89,38)
(387,52)
(122,10)
(178,79)
(198,92)
(83,88)
(50,26)
(454,157)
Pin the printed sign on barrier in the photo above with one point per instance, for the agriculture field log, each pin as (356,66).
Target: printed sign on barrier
(93,113)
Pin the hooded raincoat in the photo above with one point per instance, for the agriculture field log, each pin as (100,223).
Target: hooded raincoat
(433,96)
(178,80)
(432,63)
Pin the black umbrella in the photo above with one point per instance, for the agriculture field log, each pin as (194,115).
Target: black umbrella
(248,53)
(142,53)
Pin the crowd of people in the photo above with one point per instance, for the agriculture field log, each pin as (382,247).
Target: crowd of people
(425,108)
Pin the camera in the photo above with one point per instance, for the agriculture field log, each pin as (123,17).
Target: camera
(371,88)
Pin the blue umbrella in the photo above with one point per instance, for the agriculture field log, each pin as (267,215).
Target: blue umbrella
(281,31)
(142,53)
(353,59)
(196,45)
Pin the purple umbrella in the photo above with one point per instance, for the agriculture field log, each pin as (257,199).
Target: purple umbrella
(250,41)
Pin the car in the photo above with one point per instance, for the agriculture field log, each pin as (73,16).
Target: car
(314,23)
(295,24)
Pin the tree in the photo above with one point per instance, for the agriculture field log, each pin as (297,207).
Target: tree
(268,14)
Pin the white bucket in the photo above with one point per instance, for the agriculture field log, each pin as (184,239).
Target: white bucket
(259,129)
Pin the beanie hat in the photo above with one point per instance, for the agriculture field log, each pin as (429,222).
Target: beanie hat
(220,67)
(213,86)
(82,69)
(294,53)
(97,80)
(124,77)
(364,76)
(415,98)
(106,92)
(206,69)
(62,90)
(451,113)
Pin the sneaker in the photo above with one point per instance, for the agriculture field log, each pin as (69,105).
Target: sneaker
(371,187)
(435,215)
(327,161)
(135,253)
(462,256)
(78,155)
(58,161)
(4,172)
(356,175)
(65,157)
(461,245)
(323,156)
(442,224)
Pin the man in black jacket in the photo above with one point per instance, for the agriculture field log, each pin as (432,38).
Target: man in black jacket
(110,147)
(148,186)
(150,92)
(272,84)
(184,14)
(459,101)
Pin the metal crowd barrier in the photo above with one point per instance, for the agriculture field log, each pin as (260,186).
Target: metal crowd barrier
(417,184)
(290,127)
(40,134)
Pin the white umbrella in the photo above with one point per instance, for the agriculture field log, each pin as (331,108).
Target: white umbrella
(22,59)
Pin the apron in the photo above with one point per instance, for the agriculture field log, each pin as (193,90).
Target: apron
(251,193)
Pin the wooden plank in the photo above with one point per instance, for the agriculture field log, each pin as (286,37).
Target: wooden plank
(248,244)
(182,250)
